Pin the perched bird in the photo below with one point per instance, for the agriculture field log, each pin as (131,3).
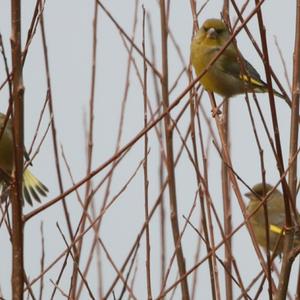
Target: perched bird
(32,187)
(276,217)
(230,74)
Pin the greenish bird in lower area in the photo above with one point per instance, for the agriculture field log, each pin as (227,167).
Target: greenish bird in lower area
(276,217)
(32,187)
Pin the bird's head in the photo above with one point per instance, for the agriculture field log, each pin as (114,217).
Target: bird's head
(213,32)
(259,191)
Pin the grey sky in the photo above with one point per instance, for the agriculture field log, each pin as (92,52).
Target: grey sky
(69,38)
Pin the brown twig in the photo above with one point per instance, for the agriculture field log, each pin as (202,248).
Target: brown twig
(89,149)
(42,261)
(145,166)
(75,263)
(205,211)
(161,156)
(292,179)
(17,277)
(118,142)
(225,183)
(170,155)
(128,38)
(53,126)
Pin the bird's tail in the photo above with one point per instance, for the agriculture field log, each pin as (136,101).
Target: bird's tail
(260,86)
(284,97)
(32,187)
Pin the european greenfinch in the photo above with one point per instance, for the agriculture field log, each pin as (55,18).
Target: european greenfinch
(230,74)
(32,187)
(276,217)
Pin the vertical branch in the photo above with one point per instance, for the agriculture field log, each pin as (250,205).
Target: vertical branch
(227,212)
(225,11)
(118,143)
(205,212)
(232,176)
(194,14)
(90,143)
(288,240)
(145,165)
(193,104)
(279,156)
(205,220)
(53,126)
(295,107)
(225,185)
(18,138)
(170,155)
(162,222)
(292,179)
(42,261)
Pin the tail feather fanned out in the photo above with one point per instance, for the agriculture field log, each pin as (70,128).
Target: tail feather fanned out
(33,188)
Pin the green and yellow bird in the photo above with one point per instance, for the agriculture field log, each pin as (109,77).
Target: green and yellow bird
(231,74)
(32,187)
(276,217)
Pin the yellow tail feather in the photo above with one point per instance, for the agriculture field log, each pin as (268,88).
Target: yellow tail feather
(32,187)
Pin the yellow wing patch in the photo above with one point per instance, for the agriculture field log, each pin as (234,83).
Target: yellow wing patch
(276,229)
(252,81)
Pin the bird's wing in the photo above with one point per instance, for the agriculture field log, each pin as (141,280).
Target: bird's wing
(230,64)
(252,75)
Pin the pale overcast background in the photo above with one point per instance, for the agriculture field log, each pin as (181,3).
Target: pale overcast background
(69,38)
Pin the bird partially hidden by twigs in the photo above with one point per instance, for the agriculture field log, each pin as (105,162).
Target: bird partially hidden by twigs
(32,188)
(231,74)
(276,217)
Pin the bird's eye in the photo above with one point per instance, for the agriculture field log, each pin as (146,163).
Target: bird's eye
(219,31)
(205,28)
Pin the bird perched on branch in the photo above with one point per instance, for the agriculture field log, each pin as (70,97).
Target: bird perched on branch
(32,187)
(230,74)
(276,217)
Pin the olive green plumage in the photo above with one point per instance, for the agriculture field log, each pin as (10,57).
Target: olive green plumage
(225,76)
(32,187)
(276,217)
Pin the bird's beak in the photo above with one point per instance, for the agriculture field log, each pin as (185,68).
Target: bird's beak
(211,33)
